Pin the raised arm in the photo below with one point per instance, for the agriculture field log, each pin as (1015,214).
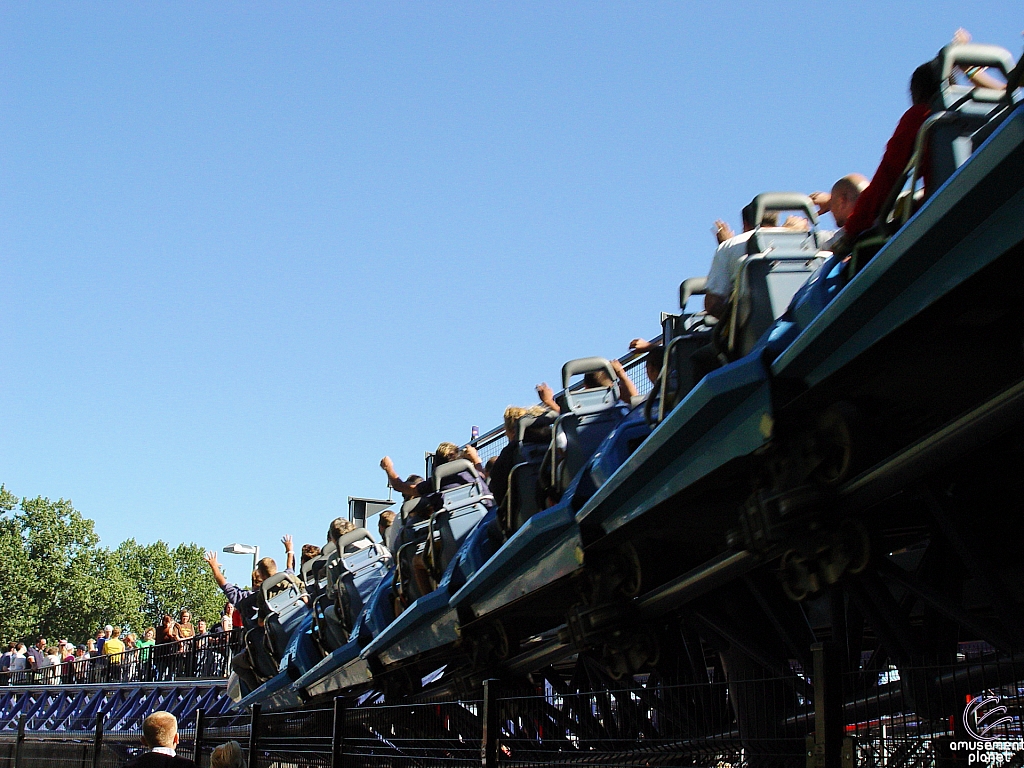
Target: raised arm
(627,390)
(394,480)
(547,397)
(469,452)
(211,559)
(289,552)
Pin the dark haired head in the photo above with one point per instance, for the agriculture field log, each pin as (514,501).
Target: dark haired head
(768,218)
(924,83)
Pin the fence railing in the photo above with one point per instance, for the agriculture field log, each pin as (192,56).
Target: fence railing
(956,713)
(202,657)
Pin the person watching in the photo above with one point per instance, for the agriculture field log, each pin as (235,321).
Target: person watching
(227,755)
(160,734)
(114,649)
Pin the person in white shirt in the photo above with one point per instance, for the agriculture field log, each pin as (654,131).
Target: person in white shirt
(731,249)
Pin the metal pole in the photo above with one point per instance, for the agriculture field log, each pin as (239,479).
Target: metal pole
(197,752)
(338,733)
(255,556)
(97,744)
(489,719)
(254,736)
(22,722)
(828,708)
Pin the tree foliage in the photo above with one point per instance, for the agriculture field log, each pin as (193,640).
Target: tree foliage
(59,581)
(169,579)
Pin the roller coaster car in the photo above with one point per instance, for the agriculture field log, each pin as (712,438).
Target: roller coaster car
(842,405)
(533,440)
(542,548)
(354,567)
(362,565)
(325,570)
(283,603)
(460,507)
(313,577)
(738,523)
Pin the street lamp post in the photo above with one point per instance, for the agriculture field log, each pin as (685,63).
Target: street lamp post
(245,549)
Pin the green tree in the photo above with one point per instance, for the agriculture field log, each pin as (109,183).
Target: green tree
(17,616)
(62,582)
(169,580)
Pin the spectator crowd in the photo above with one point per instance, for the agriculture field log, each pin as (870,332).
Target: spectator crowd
(176,648)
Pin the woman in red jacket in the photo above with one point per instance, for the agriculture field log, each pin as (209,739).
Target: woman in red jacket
(924,86)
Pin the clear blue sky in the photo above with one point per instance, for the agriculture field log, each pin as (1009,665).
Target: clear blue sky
(247,249)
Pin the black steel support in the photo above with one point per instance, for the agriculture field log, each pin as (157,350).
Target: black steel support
(97,744)
(22,721)
(197,752)
(254,737)
(826,751)
(489,732)
(338,733)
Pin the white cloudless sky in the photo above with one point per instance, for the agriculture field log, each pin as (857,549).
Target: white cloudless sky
(247,249)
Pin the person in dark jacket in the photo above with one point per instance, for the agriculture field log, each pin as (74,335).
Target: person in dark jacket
(160,734)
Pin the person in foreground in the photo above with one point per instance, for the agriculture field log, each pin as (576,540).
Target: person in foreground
(160,735)
(227,755)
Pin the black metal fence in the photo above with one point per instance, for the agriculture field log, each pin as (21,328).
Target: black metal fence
(960,712)
(85,748)
(202,657)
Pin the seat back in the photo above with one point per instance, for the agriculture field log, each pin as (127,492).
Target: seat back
(764,288)
(261,660)
(533,437)
(589,415)
(462,508)
(777,263)
(282,594)
(333,568)
(970,108)
(412,542)
(362,559)
(311,572)
(283,602)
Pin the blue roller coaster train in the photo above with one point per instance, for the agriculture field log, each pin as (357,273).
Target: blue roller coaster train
(806,553)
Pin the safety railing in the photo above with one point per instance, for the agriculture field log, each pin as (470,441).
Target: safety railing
(961,711)
(202,657)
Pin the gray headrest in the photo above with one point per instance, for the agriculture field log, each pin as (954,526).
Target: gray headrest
(585,365)
(352,536)
(308,567)
(453,468)
(276,584)
(692,286)
(974,55)
(783,201)
(409,506)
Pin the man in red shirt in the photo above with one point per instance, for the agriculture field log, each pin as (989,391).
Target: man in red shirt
(924,85)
